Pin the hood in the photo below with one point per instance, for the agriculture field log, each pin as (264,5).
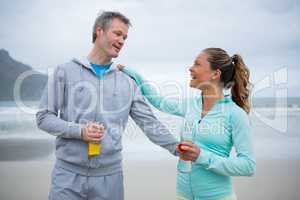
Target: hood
(84,62)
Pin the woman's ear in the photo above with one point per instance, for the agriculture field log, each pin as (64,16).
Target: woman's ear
(216,75)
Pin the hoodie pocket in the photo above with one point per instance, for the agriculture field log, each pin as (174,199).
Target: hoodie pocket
(71,150)
(110,153)
(112,142)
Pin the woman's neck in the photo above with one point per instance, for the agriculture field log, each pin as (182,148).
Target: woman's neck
(209,97)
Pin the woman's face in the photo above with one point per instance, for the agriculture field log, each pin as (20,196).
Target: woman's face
(202,76)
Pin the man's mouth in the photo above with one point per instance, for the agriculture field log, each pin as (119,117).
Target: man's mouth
(117,48)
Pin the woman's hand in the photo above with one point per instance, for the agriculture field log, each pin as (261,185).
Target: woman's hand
(188,151)
(120,67)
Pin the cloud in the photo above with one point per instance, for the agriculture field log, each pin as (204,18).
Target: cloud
(165,34)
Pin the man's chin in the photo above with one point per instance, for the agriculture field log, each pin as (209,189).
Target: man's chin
(114,55)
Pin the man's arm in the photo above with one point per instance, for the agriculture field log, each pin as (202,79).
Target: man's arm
(51,102)
(143,116)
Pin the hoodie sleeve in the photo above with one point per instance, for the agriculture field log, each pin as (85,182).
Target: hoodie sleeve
(143,116)
(243,164)
(163,104)
(47,117)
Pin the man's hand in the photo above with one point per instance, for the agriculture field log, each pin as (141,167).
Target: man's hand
(188,151)
(92,132)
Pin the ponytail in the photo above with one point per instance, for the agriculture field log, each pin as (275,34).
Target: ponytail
(240,90)
(234,75)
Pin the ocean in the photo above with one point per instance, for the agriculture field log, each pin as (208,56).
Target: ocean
(275,132)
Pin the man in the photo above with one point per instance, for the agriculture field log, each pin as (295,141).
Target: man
(89,100)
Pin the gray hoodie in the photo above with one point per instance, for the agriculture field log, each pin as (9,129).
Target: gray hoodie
(75,96)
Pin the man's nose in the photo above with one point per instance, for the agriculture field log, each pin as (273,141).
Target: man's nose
(121,41)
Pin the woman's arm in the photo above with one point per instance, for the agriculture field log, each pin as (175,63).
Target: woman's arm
(163,104)
(243,164)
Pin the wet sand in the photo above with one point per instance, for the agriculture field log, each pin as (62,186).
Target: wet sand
(153,179)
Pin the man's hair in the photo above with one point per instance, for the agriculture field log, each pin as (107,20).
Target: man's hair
(104,20)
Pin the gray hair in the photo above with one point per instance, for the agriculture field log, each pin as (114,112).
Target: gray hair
(104,20)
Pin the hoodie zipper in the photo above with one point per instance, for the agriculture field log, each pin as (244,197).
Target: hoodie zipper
(97,110)
(100,84)
(85,65)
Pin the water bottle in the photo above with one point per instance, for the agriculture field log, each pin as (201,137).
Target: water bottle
(186,134)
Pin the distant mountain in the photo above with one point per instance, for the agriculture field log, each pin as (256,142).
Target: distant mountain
(10,70)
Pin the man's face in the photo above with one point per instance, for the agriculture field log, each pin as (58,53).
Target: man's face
(111,41)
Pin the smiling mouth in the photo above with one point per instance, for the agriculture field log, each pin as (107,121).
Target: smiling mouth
(193,77)
(117,48)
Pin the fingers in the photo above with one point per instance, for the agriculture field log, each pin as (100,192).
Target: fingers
(187,143)
(188,147)
(93,132)
(188,150)
(180,148)
(120,67)
(185,148)
(95,128)
(91,137)
(94,135)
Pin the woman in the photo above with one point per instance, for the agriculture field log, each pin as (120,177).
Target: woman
(218,123)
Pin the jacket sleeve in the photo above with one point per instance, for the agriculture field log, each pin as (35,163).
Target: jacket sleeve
(243,164)
(143,116)
(161,103)
(47,117)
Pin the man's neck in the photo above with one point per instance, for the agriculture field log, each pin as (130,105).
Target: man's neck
(97,56)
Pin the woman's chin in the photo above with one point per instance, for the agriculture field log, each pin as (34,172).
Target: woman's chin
(195,84)
(192,84)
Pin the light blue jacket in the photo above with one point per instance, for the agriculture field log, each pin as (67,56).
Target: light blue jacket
(225,126)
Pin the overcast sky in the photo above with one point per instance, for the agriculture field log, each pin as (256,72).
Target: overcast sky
(165,37)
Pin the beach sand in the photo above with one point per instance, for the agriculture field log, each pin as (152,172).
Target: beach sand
(155,179)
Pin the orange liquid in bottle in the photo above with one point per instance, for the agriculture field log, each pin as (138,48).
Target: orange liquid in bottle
(94,149)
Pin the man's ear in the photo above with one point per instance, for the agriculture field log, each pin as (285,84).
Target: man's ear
(99,31)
